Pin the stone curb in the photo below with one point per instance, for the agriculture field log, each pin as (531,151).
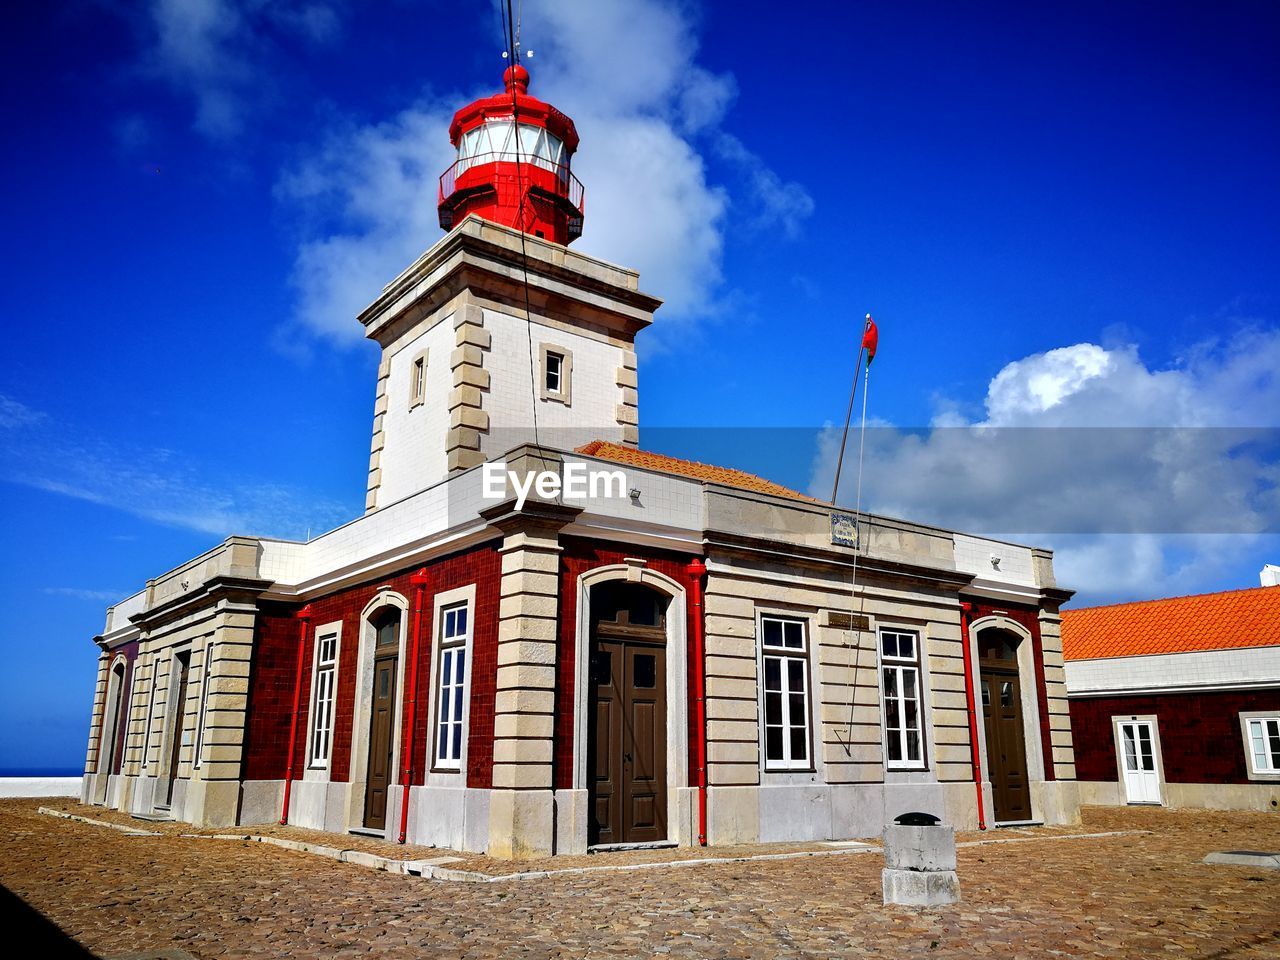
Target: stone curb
(1061,836)
(127,831)
(1245,858)
(362,858)
(435,869)
(699,862)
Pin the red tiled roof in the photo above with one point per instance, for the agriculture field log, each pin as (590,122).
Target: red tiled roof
(688,468)
(1208,621)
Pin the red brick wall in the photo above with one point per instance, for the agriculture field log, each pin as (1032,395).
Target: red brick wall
(1200,739)
(1028,617)
(578,557)
(275,664)
(271,693)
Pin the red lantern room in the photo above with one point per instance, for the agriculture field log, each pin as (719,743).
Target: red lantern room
(513,164)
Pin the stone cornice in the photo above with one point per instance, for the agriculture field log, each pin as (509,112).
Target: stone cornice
(819,557)
(489,257)
(206,594)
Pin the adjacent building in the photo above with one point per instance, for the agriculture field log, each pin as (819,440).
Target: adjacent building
(540,638)
(1177,701)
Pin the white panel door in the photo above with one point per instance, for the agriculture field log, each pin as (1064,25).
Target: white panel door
(1138,761)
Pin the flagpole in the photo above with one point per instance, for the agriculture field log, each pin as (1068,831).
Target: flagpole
(848,417)
(870,340)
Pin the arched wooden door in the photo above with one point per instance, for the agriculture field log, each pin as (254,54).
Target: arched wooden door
(380,772)
(1001,690)
(627,719)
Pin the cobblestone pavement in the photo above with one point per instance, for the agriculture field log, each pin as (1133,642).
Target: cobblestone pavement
(1133,896)
(462,861)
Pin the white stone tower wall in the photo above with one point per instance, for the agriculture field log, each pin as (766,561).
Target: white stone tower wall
(413,453)
(592,410)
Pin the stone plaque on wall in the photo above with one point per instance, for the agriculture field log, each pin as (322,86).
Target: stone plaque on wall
(847,621)
(844,529)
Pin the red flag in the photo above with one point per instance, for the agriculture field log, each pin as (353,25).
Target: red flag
(870,339)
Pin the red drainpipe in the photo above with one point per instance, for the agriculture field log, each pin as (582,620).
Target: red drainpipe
(966,611)
(304,621)
(419,583)
(696,570)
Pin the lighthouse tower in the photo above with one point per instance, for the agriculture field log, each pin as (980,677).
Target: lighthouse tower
(513,166)
(499,335)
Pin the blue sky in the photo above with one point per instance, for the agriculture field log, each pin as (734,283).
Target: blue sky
(1060,217)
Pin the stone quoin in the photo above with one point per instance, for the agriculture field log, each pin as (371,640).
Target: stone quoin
(676,656)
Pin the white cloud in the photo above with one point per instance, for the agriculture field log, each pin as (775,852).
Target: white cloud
(80,593)
(215,51)
(1041,382)
(379,182)
(14,414)
(159,485)
(771,201)
(627,73)
(1147,480)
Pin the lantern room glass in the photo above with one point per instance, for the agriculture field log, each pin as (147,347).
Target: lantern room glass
(494,141)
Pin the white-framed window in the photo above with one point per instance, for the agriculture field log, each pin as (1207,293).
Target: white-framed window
(206,673)
(557,373)
(324,687)
(418,380)
(1262,744)
(900,690)
(784,658)
(451,694)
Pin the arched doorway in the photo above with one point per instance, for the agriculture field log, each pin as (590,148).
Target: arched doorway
(627,714)
(112,727)
(380,770)
(176,709)
(1002,716)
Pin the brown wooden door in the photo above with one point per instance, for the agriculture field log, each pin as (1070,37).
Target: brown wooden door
(1006,750)
(114,721)
(177,719)
(381,742)
(628,742)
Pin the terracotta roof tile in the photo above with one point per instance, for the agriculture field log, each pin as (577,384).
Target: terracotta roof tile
(1208,621)
(688,468)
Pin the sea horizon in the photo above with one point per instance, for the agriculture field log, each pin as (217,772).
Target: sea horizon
(13,773)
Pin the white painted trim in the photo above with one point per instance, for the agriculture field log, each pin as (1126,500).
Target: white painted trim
(1156,751)
(362,708)
(815,768)
(1206,688)
(924,696)
(1245,717)
(1031,740)
(321,768)
(446,777)
(677,654)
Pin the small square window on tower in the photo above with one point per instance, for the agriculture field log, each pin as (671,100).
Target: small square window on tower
(557,373)
(418,380)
